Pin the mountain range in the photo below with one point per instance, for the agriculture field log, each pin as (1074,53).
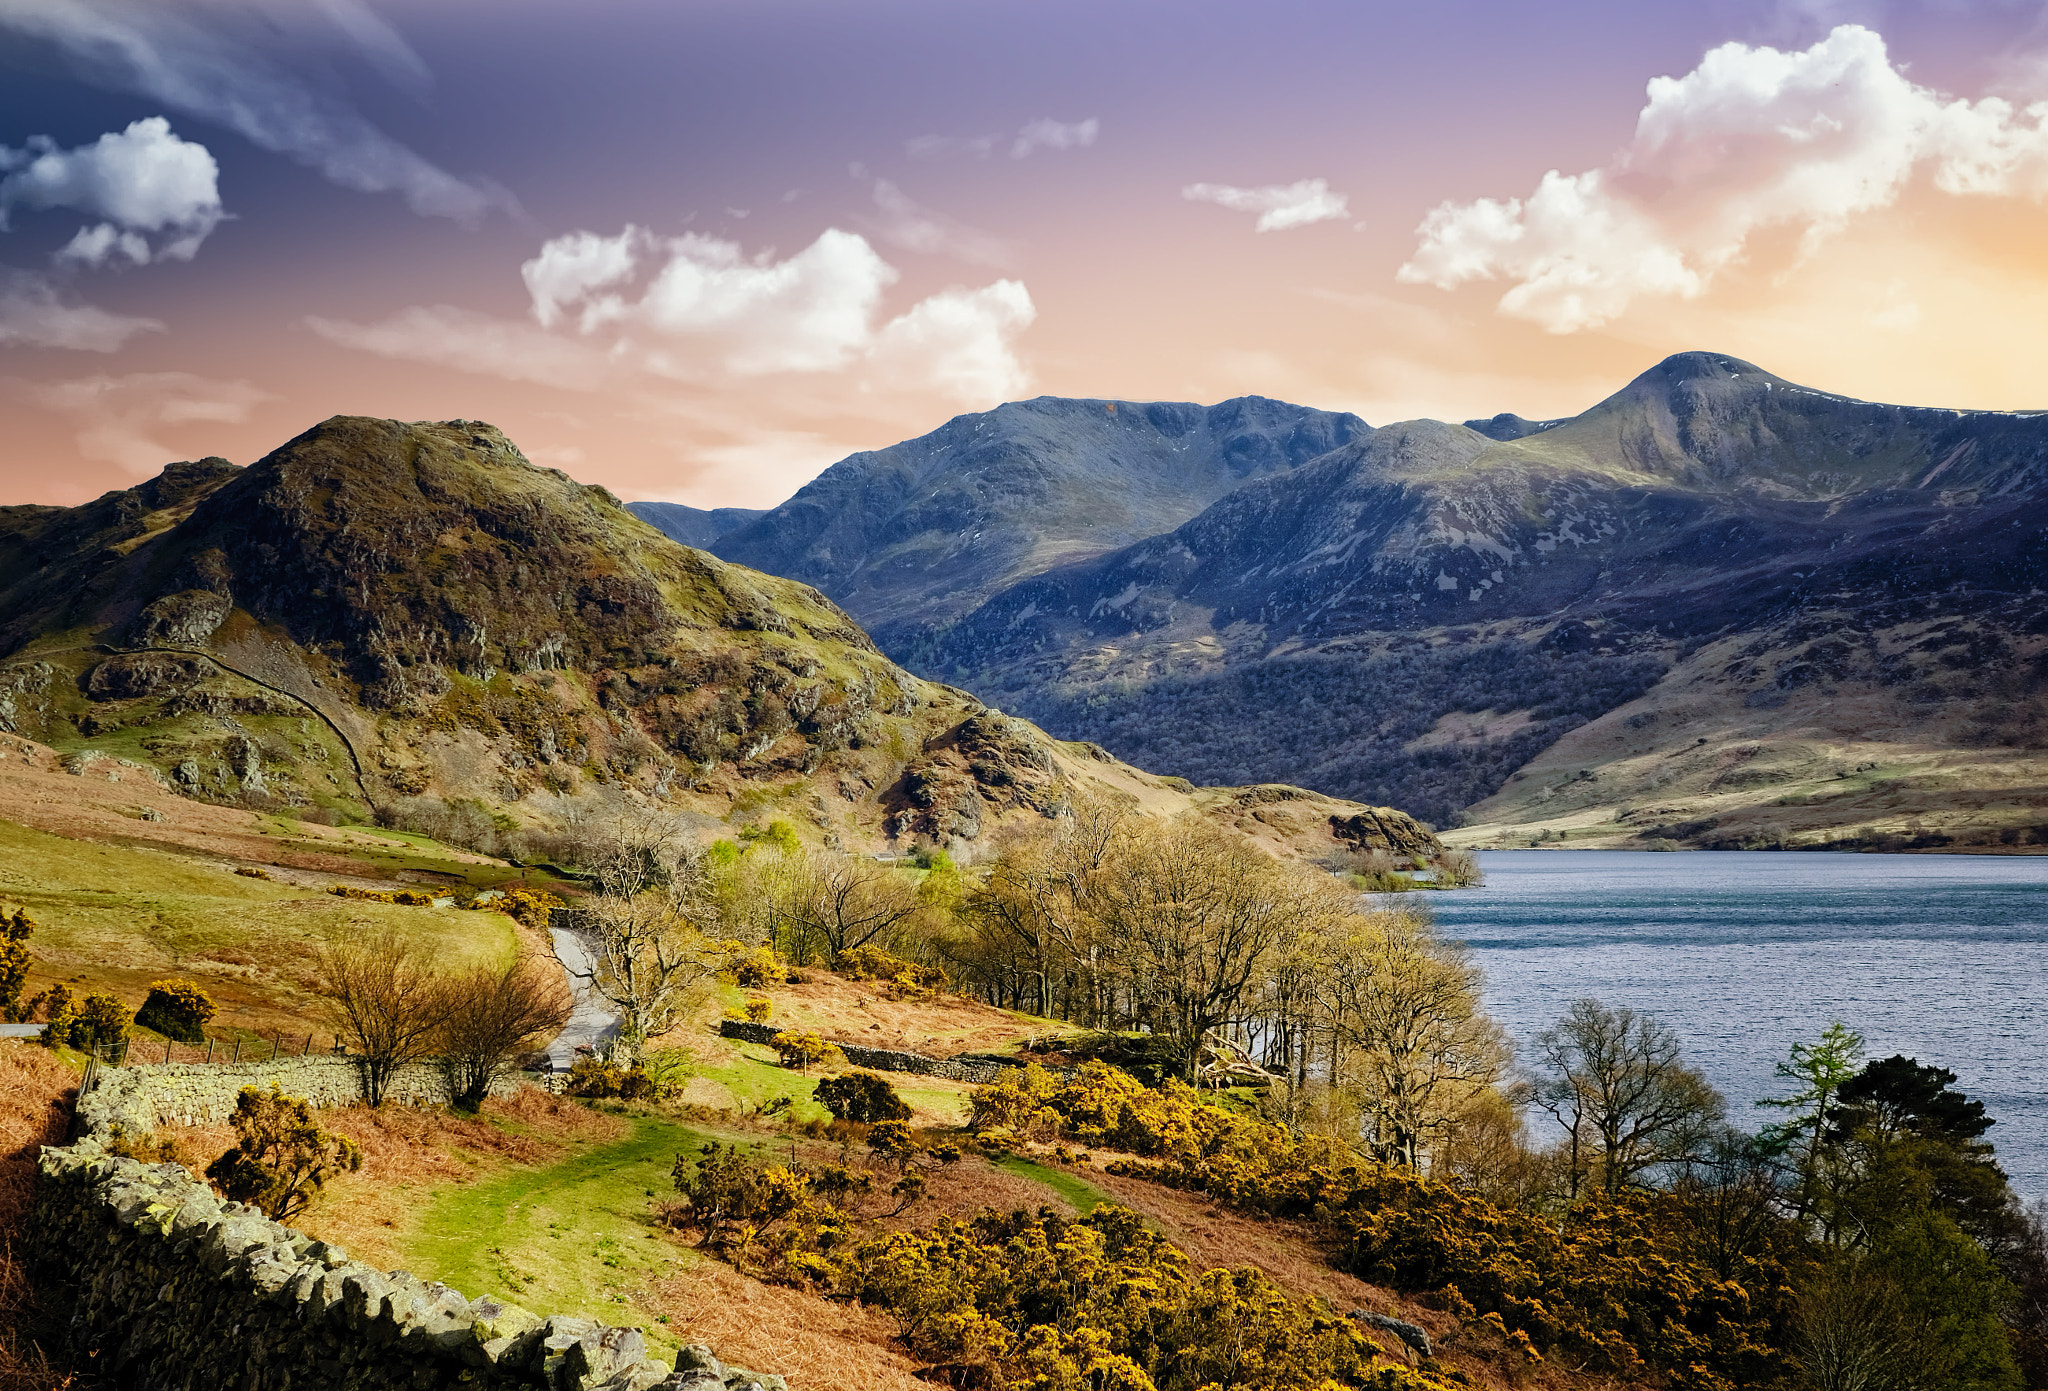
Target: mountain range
(1717,608)
(412,622)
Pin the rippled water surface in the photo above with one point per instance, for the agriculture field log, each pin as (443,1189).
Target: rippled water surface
(1941,957)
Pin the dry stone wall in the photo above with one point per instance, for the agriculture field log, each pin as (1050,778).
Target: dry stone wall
(171,1289)
(142,1098)
(978,1068)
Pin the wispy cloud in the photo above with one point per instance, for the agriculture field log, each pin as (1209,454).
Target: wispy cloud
(904,222)
(122,417)
(1752,138)
(1044,133)
(1279,206)
(34,314)
(472,342)
(141,181)
(1048,134)
(206,71)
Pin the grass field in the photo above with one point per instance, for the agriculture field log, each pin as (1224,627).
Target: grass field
(114,917)
(576,1234)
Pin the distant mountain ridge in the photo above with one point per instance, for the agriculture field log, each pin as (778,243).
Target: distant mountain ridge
(1431,614)
(915,535)
(693,526)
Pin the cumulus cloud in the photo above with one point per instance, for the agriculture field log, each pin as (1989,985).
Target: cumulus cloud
(908,224)
(959,342)
(697,308)
(212,71)
(471,342)
(1753,138)
(672,304)
(140,180)
(33,314)
(1279,206)
(122,416)
(1033,136)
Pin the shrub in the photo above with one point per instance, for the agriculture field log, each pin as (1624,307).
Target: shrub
(281,1158)
(55,1006)
(101,1020)
(863,1097)
(410,898)
(731,1200)
(872,963)
(804,1049)
(251,872)
(1024,1300)
(16,927)
(757,969)
(601,1079)
(758,1009)
(176,1009)
(532,908)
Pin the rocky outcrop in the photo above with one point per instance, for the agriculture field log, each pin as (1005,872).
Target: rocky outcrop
(1383,828)
(172,1289)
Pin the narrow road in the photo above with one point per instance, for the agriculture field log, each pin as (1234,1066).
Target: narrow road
(590,1019)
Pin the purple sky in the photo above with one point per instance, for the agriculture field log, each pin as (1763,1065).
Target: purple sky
(699,251)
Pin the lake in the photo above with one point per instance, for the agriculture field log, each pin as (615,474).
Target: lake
(1941,957)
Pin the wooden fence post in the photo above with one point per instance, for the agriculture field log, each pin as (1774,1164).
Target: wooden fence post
(209,1049)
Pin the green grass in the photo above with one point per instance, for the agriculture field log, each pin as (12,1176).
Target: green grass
(1084,1196)
(117,917)
(752,1073)
(577,1236)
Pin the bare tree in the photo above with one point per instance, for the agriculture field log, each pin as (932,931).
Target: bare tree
(385,998)
(1627,1101)
(833,903)
(1417,1045)
(647,923)
(491,1015)
(1196,915)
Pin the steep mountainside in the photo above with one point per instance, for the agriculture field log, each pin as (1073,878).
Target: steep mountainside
(380,614)
(912,536)
(693,526)
(1416,614)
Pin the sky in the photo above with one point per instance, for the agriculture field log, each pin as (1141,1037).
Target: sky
(698,250)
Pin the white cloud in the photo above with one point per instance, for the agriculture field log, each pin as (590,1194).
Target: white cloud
(810,313)
(472,342)
(200,67)
(1033,136)
(34,315)
(570,268)
(122,416)
(907,224)
(698,309)
(960,342)
(1048,134)
(1752,138)
(1279,206)
(675,302)
(142,179)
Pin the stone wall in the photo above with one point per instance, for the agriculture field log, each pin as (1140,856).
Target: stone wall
(142,1098)
(978,1068)
(171,1289)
